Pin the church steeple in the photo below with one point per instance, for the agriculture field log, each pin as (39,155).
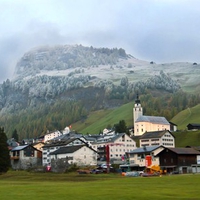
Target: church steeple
(137,101)
(137,111)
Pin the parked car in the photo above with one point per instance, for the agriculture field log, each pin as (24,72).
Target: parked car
(175,172)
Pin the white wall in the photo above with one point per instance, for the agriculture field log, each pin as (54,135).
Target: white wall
(82,157)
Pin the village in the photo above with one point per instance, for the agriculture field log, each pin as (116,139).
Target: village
(150,147)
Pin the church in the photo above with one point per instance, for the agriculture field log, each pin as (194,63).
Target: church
(144,123)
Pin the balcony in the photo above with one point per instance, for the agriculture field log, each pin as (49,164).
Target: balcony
(14,157)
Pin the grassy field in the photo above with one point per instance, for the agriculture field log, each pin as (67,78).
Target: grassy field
(187,138)
(40,186)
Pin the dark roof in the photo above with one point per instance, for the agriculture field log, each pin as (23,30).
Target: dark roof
(153,119)
(194,147)
(193,124)
(116,137)
(69,149)
(61,142)
(22,147)
(109,139)
(173,123)
(185,151)
(145,149)
(154,134)
(19,148)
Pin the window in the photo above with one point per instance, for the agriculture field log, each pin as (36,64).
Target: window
(154,139)
(144,140)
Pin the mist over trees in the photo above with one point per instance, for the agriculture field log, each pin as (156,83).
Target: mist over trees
(37,101)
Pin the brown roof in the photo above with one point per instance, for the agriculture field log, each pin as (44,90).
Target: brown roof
(185,151)
(155,134)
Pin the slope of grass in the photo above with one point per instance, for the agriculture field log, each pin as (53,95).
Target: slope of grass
(190,115)
(187,138)
(97,121)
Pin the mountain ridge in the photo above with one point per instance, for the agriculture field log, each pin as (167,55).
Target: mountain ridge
(96,78)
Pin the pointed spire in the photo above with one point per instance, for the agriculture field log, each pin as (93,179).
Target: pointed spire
(137,101)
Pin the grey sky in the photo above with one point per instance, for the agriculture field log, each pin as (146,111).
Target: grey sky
(153,30)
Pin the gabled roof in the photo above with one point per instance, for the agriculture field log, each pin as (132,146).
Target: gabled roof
(116,137)
(61,142)
(145,149)
(194,124)
(190,151)
(69,149)
(153,119)
(19,148)
(22,147)
(154,134)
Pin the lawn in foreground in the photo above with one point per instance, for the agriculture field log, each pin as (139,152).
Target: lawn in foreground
(40,186)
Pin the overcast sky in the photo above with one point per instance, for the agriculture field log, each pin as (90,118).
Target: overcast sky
(153,30)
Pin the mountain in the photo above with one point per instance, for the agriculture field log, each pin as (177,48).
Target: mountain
(50,78)
(47,73)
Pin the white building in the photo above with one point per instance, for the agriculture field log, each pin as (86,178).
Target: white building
(81,155)
(55,145)
(144,123)
(118,144)
(155,138)
(52,135)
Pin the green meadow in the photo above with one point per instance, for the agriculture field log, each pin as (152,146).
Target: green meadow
(99,120)
(190,115)
(22,185)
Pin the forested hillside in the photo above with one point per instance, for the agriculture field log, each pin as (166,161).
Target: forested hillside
(56,86)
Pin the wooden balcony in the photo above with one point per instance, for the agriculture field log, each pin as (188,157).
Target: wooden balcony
(14,158)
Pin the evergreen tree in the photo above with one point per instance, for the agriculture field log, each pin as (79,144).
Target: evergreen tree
(15,135)
(4,152)
(121,127)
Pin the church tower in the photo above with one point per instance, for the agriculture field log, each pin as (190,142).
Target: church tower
(137,110)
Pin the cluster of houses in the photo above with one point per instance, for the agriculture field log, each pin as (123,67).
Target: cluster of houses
(152,137)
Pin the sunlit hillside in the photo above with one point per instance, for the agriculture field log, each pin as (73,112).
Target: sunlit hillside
(99,120)
(190,115)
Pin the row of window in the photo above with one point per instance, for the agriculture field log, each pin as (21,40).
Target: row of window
(154,139)
(169,140)
(166,135)
(167,144)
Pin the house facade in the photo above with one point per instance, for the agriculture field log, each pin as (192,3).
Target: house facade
(155,138)
(51,135)
(25,157)
(81,155)
(57,144)
(137,157)
(181,160)
(118,144)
